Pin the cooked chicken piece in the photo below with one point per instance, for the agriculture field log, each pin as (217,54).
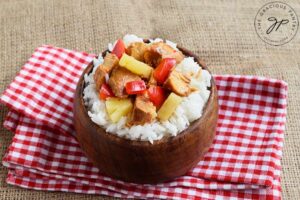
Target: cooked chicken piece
(160,50)
(99,77)
(152,80)
(152,57)
(110,61)
(118,79)
(178,83)
(137,50)
(143,111)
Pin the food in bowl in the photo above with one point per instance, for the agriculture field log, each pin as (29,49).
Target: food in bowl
(116,125)
(145,90)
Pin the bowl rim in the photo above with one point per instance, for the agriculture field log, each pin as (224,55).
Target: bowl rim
(140,143)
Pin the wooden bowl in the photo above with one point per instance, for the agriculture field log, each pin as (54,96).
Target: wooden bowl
(141,161)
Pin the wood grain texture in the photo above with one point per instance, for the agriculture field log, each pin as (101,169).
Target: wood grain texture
(141,161)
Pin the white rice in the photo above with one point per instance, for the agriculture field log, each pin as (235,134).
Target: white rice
(188,111)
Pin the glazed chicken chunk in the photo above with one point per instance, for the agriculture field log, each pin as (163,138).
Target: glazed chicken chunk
(178,83)
(137,50)
(160,50)
(118,79)
(110,61)
(143,111)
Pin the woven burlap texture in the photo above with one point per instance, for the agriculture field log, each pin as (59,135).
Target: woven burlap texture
(220,32)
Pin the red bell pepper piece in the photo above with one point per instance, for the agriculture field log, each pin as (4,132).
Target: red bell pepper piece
(105,92)
(157,95)
(119,48)
(163,69)
(135,87)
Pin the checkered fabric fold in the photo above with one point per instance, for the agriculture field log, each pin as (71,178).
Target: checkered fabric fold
(243,162)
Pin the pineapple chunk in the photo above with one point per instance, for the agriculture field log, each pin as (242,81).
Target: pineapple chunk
(112,104)
(169,106)
(135,66)
(117,108)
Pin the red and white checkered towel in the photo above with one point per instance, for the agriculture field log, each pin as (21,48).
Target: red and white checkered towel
(243,162)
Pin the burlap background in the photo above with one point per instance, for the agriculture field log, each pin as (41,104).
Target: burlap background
(220,32)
